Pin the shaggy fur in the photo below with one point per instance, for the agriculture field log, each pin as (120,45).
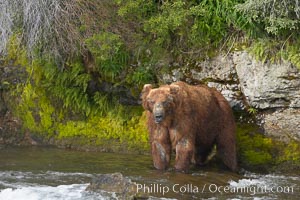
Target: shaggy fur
(188,120)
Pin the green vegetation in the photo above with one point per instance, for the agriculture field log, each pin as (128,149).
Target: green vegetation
(69,48)
(109,54)
(190,28)
(275,35)
(55,103)
(257,151)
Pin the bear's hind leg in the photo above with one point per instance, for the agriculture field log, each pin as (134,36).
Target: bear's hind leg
(201,156)
(184,155)
(226,150)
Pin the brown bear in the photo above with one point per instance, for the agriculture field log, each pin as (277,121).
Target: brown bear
(189,120)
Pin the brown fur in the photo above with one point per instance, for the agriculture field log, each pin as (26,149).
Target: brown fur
(189,120)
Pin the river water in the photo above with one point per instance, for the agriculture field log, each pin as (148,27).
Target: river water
(40,173)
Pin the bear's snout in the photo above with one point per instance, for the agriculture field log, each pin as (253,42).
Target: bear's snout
(158,118)
(158,113)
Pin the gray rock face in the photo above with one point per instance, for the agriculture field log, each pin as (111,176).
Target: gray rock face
(264,85)
(218,69)
(243,81)
(267,85)
(283,124)
(218,72)
(176,75)
(231,92)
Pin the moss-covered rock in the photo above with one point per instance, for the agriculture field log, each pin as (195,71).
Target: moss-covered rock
(258,152)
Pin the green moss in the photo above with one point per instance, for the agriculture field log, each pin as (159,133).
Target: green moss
(256,151)
(132,133)
(257,157)
(291,153)
(15,52)
(122,126)
(35,110)
(54,103)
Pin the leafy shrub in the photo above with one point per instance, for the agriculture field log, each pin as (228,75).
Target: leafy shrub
(109,54)
(54,102)
(140,76)
(186,26)
(277,17)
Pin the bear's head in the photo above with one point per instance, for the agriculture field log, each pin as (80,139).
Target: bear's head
(161,102)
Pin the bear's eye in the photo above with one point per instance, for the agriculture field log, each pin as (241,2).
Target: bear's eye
(165,103)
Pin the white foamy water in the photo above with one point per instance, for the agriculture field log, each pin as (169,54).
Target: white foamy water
(23,185)
(66,192)
(51,185)
(265,187)
(268,181)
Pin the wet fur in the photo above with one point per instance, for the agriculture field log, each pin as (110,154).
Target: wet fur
(197,117)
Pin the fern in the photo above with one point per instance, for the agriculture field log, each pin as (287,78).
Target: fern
(69,85)
(109,54)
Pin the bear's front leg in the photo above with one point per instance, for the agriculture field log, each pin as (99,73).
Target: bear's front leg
(161,148)
(160,155)
(184,154)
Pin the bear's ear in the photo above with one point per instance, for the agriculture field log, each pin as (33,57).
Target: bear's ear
(144,95)
(174,89)
(146,90)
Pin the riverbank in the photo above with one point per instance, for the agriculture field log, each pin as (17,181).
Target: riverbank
(256,152)
(268,128)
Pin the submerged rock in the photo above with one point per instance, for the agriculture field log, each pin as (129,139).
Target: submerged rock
(116,186)
(115,183)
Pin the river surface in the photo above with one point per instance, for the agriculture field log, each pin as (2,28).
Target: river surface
(40,173)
